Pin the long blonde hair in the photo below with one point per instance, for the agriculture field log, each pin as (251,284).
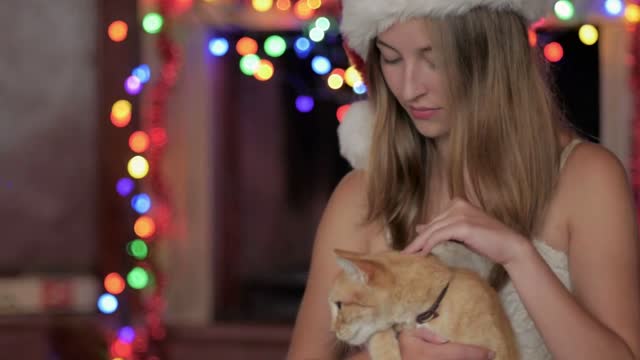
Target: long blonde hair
(504,133)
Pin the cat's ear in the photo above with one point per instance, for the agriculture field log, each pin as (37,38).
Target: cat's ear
(358,268)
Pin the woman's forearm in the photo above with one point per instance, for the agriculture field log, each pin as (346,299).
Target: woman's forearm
(567,329)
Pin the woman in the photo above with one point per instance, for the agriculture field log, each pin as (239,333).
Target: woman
(468,145)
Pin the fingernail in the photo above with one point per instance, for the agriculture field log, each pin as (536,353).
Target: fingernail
(491,356)
(441,340)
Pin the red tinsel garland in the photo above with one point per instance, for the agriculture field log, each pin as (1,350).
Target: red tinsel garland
(170,58)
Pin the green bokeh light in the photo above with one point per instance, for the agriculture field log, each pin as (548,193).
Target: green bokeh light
(138,249)
(275,46)
(138,278)
(152,23)
(249,64)
(564,9)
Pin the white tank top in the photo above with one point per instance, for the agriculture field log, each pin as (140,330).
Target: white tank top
(530,342)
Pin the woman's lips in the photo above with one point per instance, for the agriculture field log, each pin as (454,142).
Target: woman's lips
(423,113)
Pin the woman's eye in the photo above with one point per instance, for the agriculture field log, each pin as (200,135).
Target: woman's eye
(390,61)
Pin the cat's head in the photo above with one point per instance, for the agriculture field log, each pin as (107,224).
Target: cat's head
(360,297)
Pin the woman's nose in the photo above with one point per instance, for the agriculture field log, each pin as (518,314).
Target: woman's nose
(413,86)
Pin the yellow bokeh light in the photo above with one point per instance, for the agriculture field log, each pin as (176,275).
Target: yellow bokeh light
(314,4)
(262,5)
(302,10)
(632,13)
(588,34)
(265,70)
(352,76)
(138,167)
(121,109)
(335,81)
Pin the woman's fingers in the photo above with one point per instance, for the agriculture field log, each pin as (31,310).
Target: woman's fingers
(425,241)
(432,346)
(429,335)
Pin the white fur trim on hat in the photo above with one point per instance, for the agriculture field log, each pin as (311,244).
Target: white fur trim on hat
(355,132)
(362,20)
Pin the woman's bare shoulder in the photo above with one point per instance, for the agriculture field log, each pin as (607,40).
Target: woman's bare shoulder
(594,181)
(590,167)
(347,209)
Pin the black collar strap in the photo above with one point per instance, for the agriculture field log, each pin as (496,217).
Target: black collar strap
(432,313)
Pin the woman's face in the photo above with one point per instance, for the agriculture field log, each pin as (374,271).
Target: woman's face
(413,72)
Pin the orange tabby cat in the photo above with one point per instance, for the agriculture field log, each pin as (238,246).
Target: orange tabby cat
(377,295)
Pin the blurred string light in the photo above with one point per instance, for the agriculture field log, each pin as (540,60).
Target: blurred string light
(114,283)
(336,79)
(144,227)
(283,5)
(262,5)
(302,10)
(632,13)
(142,72)
(533,37)
(126,334)
(121,113)
(613,7)
(218,46)
(138,167)
(246,46)
(138,249)
(588,34)
(360,88)
(564,10)
(323,23)
(141,203)
(321,65)
(275,46)
(139,142)
(138,278)
(107,303)
(121,349)
(553,52)
(125,186)
(316,34)
(352,76)
(133,85)
(342,110)
(313,4)
(304,103)
(249,64)
(152,23)
(302,47)
(118,31)
(264,70)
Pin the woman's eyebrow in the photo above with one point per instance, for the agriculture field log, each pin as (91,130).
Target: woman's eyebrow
(423,49)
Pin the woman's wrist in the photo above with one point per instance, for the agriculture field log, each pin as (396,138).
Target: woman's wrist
(523,253)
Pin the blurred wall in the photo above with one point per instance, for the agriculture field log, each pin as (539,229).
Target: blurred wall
(47,136)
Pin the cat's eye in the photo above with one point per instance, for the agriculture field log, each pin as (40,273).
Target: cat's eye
(338,305)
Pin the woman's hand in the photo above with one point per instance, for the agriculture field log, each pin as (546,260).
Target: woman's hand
(422,343)
(480,232)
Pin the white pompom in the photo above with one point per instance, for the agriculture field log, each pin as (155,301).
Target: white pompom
(354,134)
